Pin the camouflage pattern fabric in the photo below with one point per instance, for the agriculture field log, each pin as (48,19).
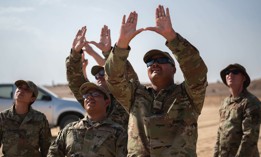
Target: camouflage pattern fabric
(117,113)
(85,138)
(163,123)
(75,75)
(238,130)
(30,137)
(76,78)
(130,73)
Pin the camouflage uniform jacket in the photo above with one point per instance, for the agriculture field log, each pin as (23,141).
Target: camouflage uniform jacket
(85,138)
(238,130)
(164,123)
(23,138)
(76,78)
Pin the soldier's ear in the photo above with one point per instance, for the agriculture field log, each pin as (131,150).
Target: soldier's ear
(33,99)
(107,102)
(173,69)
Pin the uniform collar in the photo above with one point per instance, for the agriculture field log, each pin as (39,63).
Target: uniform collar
(91,123)
(237,99)
(15,116)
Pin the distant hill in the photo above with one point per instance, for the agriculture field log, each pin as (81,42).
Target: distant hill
(213,89)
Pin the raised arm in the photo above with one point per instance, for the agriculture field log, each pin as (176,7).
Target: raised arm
(128,30)
(74,71)
(116,63)
(84,66)
(89,50)
(105,40)
(79,40)
(191,64)
(163,24)
(104,45)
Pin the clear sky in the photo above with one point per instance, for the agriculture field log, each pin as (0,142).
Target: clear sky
(36,35)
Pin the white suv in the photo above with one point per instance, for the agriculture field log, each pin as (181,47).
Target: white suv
(58,111)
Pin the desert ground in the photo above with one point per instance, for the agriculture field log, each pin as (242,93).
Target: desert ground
(208,120)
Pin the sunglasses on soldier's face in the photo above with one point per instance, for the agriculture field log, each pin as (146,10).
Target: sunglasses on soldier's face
(93,94)
(233,71)
(162,60)
(99,74)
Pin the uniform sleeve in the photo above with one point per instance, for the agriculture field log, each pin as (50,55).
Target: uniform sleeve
(130,74)
(216,148)
(45,137)
(121,144)
(217,144)
(250,128)
(74,74)
(193,68)
(106,54)
(119,86)
(58,147)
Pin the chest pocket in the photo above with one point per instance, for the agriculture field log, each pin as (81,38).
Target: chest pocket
(181,108)
(232,113)
(144,109)
(88,141)
(10,137)
(224,114)
(97,138)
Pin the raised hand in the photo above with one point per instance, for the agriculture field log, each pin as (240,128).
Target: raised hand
(128,30)
(88,49)
(84,65)
(163,24)
(84,61)
(105,40)
(79,40)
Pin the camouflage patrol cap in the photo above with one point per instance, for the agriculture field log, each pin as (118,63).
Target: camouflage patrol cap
(155,52)
(88,86)
(96,69)
(238,67)
(30,84)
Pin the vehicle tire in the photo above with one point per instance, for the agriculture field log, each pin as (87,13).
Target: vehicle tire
(68,119)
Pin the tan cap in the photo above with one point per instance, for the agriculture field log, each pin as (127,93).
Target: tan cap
(96,69)
(88,85)
(155,52)
(240,68)
(30,84)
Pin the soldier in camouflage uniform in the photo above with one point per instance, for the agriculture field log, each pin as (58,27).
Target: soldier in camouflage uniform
(238,130)
(163,117)
(24,132)
(76,77)
(95,135)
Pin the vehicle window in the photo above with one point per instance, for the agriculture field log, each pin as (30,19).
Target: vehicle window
(41,94)
(6,91)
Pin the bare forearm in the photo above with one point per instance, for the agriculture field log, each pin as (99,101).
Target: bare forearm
(99,59)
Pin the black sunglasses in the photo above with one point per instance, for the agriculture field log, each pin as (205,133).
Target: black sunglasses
(99,74)
(162,60)
(233,71)
(93,94)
